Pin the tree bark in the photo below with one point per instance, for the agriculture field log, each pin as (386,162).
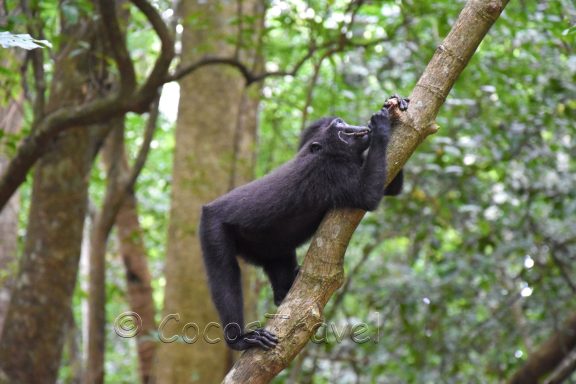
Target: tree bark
(10,122)
(138,280)
(133,251)
(120,181)
(322,272)
(74,352)
(549,355)
(97,260)
(215,138)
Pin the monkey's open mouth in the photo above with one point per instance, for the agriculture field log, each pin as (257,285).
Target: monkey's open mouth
(360,133)
(352,133)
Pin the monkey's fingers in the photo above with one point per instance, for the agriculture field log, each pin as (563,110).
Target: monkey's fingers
(265,345)
(269,336)
(401,102)
(262,338)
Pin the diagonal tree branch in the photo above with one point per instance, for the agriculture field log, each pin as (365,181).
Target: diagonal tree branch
(563,370)
(322,272)
(549,355)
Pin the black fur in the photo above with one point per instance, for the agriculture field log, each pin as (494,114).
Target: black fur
(264,221)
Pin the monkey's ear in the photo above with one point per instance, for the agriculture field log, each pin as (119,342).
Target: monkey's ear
(315,147)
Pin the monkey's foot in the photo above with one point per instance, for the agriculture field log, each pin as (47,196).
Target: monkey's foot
(401,102)
(256,338)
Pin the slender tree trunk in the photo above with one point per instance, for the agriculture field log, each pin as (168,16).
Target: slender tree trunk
(10,121)
(31,347)
(120,179)
(138,279)
(96,306)
(120,207)
(215,138)
(97,265)
(74,352)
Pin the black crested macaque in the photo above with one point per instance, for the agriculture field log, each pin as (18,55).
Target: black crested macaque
(264,221)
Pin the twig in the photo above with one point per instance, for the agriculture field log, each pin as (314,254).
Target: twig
(158,74)
(118,192)
(117,42)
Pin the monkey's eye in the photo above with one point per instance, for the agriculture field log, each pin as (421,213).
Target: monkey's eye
(337,121)
(315,147)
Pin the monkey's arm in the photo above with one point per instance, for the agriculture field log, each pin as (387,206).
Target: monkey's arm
(373,174)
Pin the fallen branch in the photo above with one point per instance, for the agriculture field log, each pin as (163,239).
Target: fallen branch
(322,273)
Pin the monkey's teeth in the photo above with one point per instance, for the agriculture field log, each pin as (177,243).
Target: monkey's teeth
(361,133)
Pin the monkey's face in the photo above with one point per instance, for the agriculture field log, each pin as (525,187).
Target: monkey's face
(351,138)
(333,137)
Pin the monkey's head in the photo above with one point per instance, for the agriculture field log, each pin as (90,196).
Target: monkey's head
(336,136)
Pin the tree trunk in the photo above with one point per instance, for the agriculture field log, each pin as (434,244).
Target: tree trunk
(73,351)
(120,180)
(10,121)
(97,264)
(215,138)
(47,274)
(31,347)
(138,279)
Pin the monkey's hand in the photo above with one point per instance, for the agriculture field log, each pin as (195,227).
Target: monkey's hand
(256,338)
(380,124)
